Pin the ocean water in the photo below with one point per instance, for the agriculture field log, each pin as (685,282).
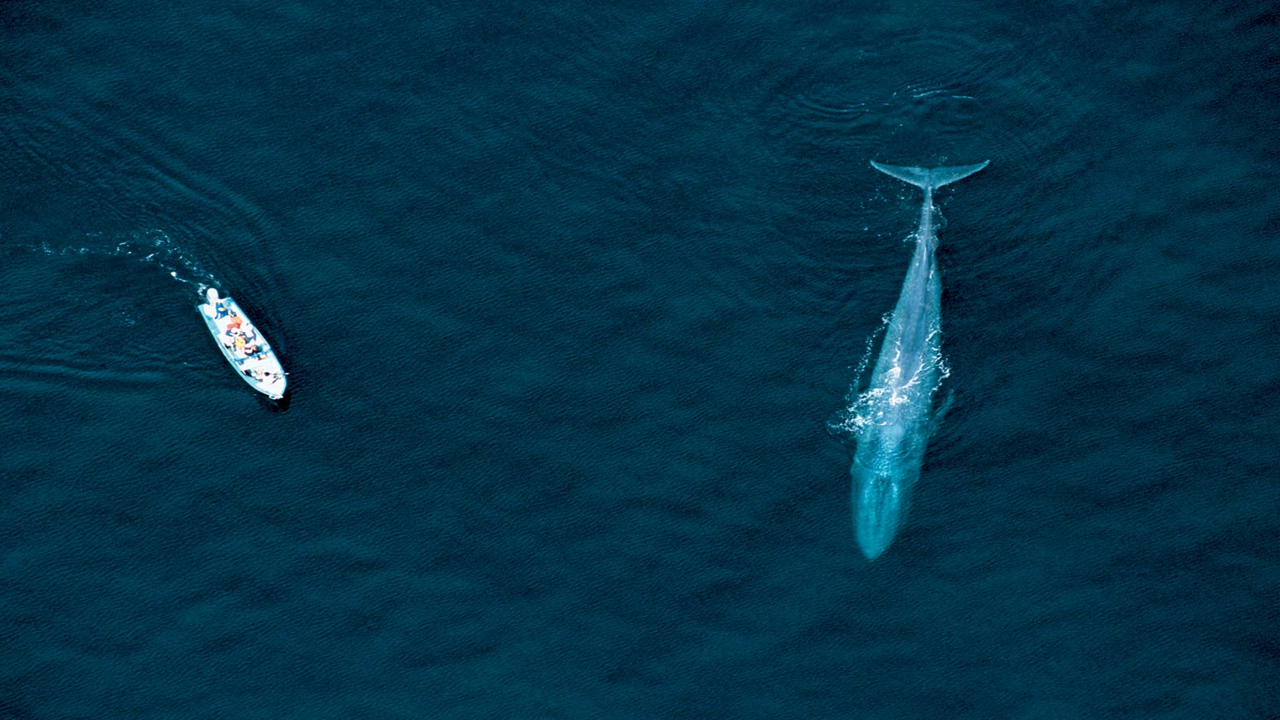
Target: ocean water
(569,292)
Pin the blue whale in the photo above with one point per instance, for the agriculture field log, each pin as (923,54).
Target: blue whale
(895,412)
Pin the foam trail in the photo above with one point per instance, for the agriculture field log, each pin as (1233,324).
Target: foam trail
(148,246)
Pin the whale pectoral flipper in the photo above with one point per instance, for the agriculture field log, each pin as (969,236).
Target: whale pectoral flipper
(929,178)
(936,420)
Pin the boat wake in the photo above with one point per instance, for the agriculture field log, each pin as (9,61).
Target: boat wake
(148,246)
(63,366)
(98,180)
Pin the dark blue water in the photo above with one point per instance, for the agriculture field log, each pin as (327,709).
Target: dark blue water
(569,292)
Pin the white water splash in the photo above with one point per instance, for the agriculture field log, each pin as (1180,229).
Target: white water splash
(845,423)
(866,408)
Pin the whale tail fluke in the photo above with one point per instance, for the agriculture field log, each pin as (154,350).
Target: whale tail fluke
(929,178)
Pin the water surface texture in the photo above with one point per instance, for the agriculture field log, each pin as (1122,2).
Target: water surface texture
(570,293)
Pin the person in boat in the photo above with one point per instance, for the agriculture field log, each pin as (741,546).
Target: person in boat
(222,309)
(265,376)
(235,321)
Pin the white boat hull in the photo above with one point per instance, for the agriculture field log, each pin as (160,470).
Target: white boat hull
(243,345)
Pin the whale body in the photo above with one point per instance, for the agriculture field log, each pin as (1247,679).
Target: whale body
(896,410)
